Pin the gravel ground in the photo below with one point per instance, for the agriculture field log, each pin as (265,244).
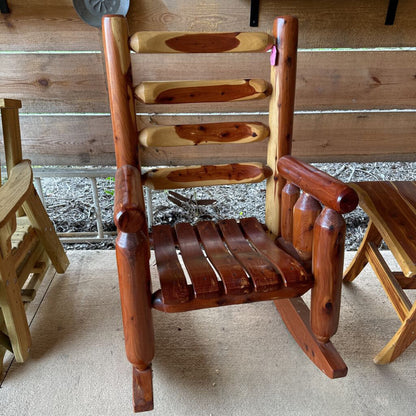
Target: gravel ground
(70,205)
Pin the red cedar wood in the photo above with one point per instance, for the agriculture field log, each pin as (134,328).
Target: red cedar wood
(290,195)
(204,280)
(327,266)
(329,191)
(132,248)
(305,212)
(283,79)
(232,274)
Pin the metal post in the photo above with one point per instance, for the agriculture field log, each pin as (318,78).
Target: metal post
(97,207)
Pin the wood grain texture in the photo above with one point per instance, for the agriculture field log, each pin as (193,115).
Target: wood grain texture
(191,176)
(233,275)
(15,191)
(264,276)
(225,300)
(197,134)
(142,390)
(120,92)
(330,191)
(129,213)
(181,92)
(172,278)
(193,42)
(379,200)
(331,24)
(203,278)
(290,194)
(76,82)
(391,286)
(281,106)
(291,272)
(327,265)
(133,254)
(318,138)
(305,212)
(296,316)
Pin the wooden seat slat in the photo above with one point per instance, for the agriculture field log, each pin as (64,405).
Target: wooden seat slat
(291,271)
(264,276)
(391,206)
(233,275)
(172,279)
(203,277)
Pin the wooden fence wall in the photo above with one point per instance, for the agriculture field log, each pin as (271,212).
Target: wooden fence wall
(356,89)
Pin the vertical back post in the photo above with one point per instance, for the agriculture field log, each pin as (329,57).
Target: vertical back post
(132,244)
(282,102)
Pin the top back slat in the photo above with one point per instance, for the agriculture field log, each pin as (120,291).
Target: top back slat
(186,42)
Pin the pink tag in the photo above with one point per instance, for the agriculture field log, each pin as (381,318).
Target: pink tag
(273,56)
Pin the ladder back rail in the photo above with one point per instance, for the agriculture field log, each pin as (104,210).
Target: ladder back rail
(192,176)
(183,92)
(202,134)
(194,42)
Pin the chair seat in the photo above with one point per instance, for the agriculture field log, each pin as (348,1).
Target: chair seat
(215,264)
(392,208)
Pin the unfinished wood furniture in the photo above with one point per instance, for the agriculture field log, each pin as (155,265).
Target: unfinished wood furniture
(28,242)
(300,247)
(391,207)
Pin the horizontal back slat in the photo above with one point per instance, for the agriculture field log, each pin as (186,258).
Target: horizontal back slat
(208,133)
(64,140)
(179,92)
(185,42)
(208,175)
(37,25)
(349,80)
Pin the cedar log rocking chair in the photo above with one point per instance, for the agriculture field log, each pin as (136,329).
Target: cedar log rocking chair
(300,247)
(28,241)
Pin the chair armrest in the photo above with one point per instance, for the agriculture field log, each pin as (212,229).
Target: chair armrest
(15,190)
(329,191)
(129,211)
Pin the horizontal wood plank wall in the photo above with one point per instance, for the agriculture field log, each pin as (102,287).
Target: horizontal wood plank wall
(351,80)
(47,64)
(54,25)
(86,140)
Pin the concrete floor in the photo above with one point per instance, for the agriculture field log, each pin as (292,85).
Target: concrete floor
(238,360)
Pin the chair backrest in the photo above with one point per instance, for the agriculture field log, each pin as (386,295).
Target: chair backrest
(281,90)
(11,132)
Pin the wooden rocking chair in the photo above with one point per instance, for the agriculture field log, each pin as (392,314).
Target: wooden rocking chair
(300,247)
(28,241)
(391,207)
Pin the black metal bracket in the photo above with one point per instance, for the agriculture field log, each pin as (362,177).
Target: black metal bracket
(4,8)
(391,12)
(254,13)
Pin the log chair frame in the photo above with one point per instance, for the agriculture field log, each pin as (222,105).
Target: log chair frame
(313,238)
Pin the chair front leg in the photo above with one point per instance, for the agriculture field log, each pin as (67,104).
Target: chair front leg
(327,266)
(132,251)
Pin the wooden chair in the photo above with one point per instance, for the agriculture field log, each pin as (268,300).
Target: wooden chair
(391,207)
(300,247)
(28,241)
